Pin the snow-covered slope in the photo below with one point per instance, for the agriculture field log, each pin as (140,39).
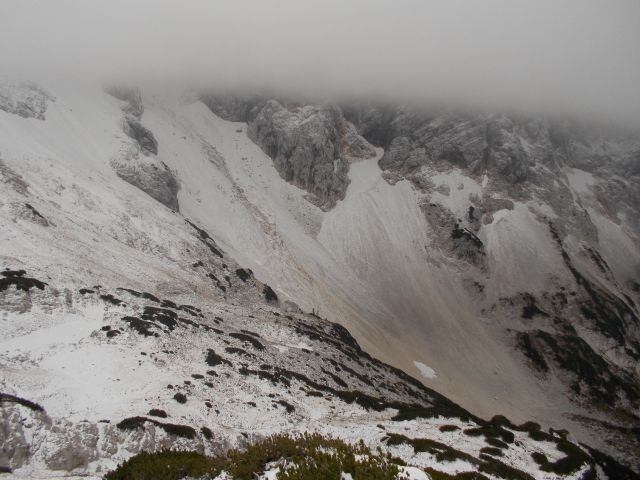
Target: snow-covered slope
(465,261)
(158,194)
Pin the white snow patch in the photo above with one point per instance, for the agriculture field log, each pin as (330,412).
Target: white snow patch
(300,346)
(426,371)
(285,348)
(413,473)
(461,188)
(616,246)
(271,474)
(580,181)
(485,180)
(517,250)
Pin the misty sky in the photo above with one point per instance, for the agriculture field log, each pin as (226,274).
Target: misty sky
(565,56)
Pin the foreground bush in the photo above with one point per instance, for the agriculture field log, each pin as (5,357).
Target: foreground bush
(164,465)
(308,456)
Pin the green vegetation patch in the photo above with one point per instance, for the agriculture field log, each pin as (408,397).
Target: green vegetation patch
(493,451)
(491,431)
(445,410)
(308,456)
(448,428)
(164,465)
(496,468)
(8,398)
(133,423)
(442,452)
(494,442)
(575,458)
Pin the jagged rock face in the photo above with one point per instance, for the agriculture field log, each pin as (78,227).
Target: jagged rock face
(233,107)
(153,178)
(477,143)
(311,146)
(522,156)
(513,149)
(26,100)
(523,160)
(131,95)
(141,135)
(305,147)
(147,173)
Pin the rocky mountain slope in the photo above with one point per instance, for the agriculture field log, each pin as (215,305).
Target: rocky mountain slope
(522,232)
(158,259)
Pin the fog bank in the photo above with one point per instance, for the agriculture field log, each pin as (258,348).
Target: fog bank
(570,56)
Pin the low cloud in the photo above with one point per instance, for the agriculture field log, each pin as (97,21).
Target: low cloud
(566,57)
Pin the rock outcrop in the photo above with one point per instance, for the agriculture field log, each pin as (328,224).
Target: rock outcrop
(311,146)
(27,100)
(143,171)
(152,177)
(143,137)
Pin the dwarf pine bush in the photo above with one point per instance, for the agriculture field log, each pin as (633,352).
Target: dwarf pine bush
(306,456)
